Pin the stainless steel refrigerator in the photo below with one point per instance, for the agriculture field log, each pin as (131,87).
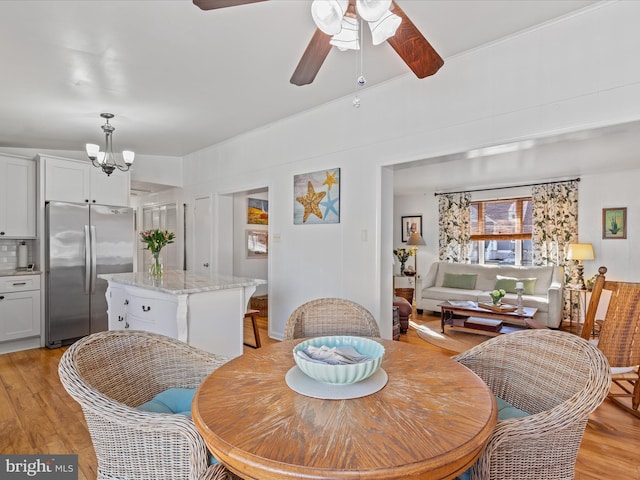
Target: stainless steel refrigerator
(81,242)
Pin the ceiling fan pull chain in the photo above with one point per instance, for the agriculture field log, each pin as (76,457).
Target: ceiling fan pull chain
(361,79)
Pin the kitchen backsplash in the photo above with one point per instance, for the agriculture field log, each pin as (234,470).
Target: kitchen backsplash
(9,253)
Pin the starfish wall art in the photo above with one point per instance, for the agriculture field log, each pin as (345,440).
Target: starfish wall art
(317,197)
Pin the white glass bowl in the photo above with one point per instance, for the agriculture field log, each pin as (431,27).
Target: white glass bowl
(341,374)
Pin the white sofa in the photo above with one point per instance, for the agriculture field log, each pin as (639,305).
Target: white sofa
(547,295)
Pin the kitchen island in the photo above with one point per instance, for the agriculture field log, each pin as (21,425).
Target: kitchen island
(205,311)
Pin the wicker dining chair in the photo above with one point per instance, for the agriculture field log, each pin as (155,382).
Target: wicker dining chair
(330,316)
(559,379)
(618,337)
(111,373)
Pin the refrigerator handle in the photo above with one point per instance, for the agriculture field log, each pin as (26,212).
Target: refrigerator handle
(87,254)
(94,270)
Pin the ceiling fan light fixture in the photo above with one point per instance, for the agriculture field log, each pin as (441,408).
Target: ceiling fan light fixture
(348,38)
(384,28)
(327,14)
(372,10)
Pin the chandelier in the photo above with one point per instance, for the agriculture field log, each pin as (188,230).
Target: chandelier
(106,160)
(338,19)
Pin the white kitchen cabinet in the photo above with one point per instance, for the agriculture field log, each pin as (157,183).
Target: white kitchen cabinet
(117,307)
(17,197)
(81,182)
(205,311)
(153,311)
(19,307)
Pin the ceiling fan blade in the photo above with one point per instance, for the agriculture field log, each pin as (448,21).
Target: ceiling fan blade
(213,4)
(413,48)
(312,59)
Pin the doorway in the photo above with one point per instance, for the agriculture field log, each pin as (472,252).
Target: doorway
(251,243)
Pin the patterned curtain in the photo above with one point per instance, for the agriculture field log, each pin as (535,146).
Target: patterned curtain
(555,226)
(455,227)
(555,221)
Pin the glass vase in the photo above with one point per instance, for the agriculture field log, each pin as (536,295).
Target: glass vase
(155,269)
(401,268)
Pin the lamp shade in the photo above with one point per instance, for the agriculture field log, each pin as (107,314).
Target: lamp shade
(372,10)
(415,239)
(348,38)
(580,251)
(92,150)
(384,28)
(128,156)
(327,14)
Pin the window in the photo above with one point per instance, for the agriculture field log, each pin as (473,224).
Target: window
(501,231)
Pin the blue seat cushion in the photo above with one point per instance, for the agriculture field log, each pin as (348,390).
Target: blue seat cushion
(172,400)
(505,411)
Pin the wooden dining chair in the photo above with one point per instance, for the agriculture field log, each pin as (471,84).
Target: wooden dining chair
(330,316)
(618,337)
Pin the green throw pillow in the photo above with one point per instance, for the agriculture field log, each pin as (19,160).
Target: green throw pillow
(508,284)
(460,280)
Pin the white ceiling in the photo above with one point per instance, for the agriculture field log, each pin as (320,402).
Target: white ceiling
(565,156)
(179,79)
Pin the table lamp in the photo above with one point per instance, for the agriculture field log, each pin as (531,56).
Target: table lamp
(414,240)
(580,252)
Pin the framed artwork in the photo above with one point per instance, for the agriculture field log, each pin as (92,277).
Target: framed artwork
(257,244)
(316,197)
(410,225)
(614,223)
(257,211)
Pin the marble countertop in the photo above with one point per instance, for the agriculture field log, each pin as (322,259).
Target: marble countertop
(179,282)
(15,272)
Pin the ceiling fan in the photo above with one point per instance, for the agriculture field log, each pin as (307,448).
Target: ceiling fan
(408,42)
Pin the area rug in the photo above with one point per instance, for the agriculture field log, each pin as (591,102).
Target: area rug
(452,341)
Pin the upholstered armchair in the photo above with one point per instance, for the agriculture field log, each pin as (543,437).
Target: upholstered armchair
(110,374)
(555,380)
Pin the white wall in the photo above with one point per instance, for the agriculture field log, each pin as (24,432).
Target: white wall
(569,75)
(611,190)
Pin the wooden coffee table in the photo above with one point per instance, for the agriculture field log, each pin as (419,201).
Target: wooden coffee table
(511,321)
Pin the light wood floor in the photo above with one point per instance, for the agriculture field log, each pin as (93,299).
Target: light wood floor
(37,416)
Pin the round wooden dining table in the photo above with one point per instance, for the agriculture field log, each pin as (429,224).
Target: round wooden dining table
(431,419)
